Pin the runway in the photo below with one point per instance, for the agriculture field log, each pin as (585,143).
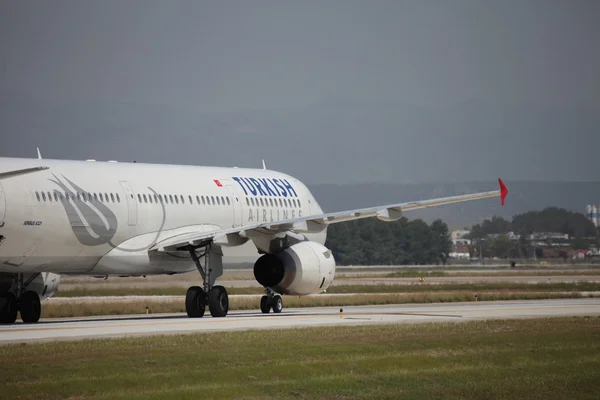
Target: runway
(141,325)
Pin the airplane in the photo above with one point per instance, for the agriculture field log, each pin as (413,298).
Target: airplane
(135,219)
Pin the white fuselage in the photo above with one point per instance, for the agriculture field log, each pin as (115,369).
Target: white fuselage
(100,218)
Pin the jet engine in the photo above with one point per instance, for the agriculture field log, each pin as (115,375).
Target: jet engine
(45,284)
(302,269)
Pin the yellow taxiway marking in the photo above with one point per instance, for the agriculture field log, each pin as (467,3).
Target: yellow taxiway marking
(348,313)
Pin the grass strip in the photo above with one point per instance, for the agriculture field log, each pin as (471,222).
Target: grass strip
(83,291)
(542,359)
(59,310)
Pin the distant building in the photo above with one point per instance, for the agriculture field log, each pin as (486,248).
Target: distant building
(591,213)
(458,237)
(549,239)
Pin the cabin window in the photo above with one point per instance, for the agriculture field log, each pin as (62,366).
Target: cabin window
(160,199)
(145,199)
(227,200)
(280,203)
(176,200)
(271,202)
(118,198)
(55,196)
(37,194)
(101,198)
(190,199)
(212,200)
(299,205)
(112,198)
(44,196)
(171,198)
(139,198)
(218,201)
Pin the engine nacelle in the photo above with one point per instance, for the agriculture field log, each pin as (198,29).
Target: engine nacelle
(302,269)
(44,284)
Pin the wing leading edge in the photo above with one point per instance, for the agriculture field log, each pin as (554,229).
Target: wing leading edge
(316,223)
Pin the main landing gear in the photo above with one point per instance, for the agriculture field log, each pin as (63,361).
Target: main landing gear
(27,302)
(271,301)
(215,297)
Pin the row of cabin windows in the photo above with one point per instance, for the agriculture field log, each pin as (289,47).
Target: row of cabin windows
(57,196)
(179,199)
(273,202)
(166,199)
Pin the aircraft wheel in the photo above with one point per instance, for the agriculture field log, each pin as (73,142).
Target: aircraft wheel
(195,302)
(277,304)
(30,307)
(218,302)
(8,308)
(265,305)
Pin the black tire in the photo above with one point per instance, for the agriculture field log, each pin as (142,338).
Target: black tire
(277,304)
(265,305)
(8,308)
(30,307)
(195,302)
(218,302)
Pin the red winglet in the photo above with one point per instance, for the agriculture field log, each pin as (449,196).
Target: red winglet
(503,191)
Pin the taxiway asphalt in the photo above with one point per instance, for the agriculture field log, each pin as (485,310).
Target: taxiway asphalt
(142,325)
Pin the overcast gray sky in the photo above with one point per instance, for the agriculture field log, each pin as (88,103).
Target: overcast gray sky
(329,91)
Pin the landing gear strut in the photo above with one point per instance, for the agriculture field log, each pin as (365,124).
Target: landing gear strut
(271,301)
(198,297)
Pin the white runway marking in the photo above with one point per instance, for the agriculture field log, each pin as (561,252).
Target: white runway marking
(139,325)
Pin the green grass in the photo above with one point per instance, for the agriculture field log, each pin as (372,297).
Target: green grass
(516,359)
(475,274)
(82,291)
(473,287)
(57,310)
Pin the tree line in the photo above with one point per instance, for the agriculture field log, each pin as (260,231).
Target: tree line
(373,242)
(551,219)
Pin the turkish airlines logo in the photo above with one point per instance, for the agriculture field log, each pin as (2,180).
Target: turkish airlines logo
(92,222)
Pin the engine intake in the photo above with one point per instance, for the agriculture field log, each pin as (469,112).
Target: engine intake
(302,269)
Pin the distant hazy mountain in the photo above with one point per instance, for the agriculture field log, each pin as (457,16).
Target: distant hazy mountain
(523,196)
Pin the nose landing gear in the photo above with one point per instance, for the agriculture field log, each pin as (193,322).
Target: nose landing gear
(270,301)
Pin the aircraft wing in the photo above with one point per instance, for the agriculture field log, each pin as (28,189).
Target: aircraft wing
(316,223)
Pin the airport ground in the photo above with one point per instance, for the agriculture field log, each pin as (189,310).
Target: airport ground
(422,334)
(540,358)
(83,296)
